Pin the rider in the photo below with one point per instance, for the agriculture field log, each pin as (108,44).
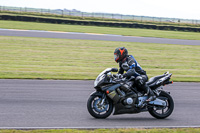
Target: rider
(131,66)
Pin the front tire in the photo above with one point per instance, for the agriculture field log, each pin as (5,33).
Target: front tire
(97,110)
(163,112)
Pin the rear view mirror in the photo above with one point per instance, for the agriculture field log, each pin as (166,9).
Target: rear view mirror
(114,70)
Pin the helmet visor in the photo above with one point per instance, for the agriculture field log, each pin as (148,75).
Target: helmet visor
(116,57)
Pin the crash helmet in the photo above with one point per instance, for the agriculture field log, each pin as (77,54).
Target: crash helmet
(120,53)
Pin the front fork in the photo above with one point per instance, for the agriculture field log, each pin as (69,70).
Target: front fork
(103,99)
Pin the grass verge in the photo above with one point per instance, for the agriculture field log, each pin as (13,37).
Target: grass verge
(164,130)
(42,58)
(98,29)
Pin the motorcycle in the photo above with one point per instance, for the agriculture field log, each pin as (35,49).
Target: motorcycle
(110,94)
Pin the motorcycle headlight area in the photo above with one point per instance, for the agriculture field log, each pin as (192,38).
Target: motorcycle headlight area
(99,79)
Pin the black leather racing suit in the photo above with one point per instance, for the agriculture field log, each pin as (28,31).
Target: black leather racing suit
(132,68)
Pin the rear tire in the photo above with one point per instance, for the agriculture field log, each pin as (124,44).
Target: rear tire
(166,111)
(97,111)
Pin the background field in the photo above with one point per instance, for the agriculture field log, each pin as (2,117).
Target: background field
(98,29)
(41,58)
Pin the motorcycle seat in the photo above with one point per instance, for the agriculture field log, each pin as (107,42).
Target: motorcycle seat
(154,79)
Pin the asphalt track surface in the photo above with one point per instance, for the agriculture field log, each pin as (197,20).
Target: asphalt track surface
(88,36)
(62,104)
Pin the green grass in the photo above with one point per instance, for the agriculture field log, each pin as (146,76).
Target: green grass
(164,130)
(98,29)
(32,58)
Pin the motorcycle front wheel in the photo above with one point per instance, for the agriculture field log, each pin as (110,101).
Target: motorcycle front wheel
(163,112)
(97,109)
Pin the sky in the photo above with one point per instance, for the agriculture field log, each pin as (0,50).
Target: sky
(185,9)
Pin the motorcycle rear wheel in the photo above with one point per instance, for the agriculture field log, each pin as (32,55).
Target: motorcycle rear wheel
(97,110)
(163,112)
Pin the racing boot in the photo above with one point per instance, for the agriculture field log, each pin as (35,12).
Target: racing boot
(151,95)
